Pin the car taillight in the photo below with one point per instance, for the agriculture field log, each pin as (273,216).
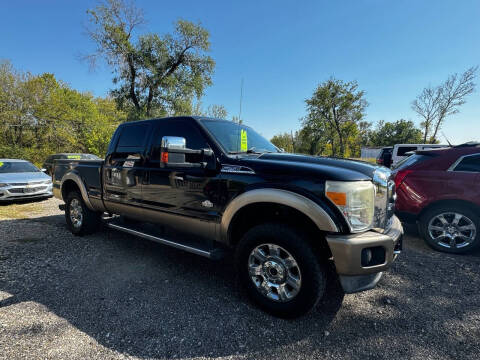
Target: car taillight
(400,177)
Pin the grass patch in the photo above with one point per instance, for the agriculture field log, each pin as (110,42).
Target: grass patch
(370,160)
(20,210)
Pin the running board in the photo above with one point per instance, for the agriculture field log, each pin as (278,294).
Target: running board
(214,254)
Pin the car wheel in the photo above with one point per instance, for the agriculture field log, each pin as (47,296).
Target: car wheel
(451,229)
(80,219)
(279,270)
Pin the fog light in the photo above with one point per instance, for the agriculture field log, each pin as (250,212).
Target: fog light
(366,257)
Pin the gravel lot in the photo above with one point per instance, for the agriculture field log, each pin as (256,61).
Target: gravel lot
(111,295)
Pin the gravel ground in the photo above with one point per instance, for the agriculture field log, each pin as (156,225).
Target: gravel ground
(110,295)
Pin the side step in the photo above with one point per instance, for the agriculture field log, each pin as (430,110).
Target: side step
(189,246)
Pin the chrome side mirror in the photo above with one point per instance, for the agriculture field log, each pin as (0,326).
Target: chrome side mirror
(170,147)
(173,154)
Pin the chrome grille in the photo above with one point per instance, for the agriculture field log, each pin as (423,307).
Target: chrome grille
(384,199)
(27,190)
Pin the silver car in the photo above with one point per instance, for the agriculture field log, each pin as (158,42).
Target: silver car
(20,179)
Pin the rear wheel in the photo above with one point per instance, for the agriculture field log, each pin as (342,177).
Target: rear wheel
(279,270)
(80,219)
(452,229)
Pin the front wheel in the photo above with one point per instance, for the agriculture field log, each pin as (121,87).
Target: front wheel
(80,219)
(279,270)
(451,229)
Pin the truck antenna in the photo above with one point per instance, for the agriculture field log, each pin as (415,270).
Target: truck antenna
(241,98)
(446,139)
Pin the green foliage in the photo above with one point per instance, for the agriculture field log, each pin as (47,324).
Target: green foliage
(335,111)
(40,116)
(217,111)
(398,132)
(284,141)
(334,125)
(237,120)
(155,75)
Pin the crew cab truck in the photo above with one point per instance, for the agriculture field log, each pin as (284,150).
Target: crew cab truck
(216,188)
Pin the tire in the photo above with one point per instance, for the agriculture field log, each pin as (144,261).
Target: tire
(84,221)
(267,250)
(440,231)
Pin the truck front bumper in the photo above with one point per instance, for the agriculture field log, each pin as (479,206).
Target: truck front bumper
(361,258)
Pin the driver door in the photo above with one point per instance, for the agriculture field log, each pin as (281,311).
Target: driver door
(179,195)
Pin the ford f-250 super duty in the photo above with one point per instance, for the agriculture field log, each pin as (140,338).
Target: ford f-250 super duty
(217,188)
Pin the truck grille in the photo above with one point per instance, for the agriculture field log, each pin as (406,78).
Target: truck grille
(384,199)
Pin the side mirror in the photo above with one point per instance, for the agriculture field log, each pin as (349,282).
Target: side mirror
(173,154)
(169,147)
(43,170)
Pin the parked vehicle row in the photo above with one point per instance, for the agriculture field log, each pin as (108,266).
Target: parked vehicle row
(21,180)
(282,219)
(390,156)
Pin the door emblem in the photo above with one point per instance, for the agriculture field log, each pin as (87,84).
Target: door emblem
(207,203)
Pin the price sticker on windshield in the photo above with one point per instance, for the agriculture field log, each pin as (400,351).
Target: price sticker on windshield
(243,140)
(74,157)
(1,163)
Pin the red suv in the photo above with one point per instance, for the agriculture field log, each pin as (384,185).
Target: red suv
(440,189)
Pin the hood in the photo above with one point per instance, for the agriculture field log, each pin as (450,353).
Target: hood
(328,168)
(24,177)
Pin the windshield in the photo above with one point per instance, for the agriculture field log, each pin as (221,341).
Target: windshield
(17,167)
(236,138)
(409,161)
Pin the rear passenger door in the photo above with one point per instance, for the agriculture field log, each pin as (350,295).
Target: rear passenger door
(124,171)
(465,179)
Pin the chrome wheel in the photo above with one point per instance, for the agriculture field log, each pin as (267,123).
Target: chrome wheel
(274,272)
(452,230)
(76,213)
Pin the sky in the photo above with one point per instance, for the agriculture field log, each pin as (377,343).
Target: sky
(281,49)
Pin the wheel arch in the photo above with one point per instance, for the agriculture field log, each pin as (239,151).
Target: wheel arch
(263,205)
(72,182)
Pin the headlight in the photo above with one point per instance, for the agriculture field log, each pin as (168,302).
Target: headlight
(48,182)
(355,199)
(3,184)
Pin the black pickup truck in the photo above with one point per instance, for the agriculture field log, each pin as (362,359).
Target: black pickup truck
(219,189)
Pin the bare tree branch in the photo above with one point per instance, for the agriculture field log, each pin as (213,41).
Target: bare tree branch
(435,104)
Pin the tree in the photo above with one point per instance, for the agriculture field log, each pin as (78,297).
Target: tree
(284,141)
(435,104)
(155,75)
(237,120)
(40,115)
(217,111)
(336,108)
(398,132)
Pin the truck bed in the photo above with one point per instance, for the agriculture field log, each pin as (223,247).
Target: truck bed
(89,170)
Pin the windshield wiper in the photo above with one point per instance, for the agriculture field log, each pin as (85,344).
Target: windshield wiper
(252,150)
